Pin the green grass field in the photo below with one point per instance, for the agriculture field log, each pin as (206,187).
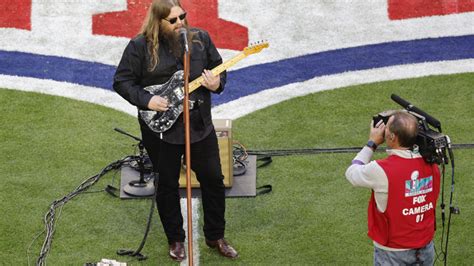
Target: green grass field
(49,145)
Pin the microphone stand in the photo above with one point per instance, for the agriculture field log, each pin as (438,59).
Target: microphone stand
(187,140)
(140,187)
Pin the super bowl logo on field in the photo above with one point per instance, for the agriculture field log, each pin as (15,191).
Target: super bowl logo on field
(71,47)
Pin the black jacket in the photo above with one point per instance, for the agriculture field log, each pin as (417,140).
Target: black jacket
(132,76)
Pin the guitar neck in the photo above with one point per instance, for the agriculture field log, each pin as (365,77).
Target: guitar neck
(217,70)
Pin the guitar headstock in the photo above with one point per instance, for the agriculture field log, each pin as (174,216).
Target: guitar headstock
(255,48)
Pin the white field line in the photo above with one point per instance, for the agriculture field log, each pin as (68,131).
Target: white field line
(251,103)
(195,217)
(334,24)
(70,90)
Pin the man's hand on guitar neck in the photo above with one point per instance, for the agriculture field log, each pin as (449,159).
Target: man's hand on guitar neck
(158,103)
(211,82)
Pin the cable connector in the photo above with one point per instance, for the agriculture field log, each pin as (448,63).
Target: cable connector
(455,210)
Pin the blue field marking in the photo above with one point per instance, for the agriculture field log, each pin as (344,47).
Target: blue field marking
(57,68)
(260,77)
(253,79)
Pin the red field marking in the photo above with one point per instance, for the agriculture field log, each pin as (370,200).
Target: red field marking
(225,34)
(15,14)
(122,23)
(201,13)
(403,9)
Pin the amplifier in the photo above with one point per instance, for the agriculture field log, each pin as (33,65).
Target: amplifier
(224,138)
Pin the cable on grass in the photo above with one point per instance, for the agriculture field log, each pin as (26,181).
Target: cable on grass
(50,218)
(286,152)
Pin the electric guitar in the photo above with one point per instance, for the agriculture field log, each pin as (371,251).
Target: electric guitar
(173,91)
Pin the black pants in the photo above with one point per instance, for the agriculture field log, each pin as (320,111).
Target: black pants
(205,162)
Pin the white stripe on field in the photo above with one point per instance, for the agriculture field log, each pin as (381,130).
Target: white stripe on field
(70,90)
(195,217)
(333,24)
(330,25)
(251,103)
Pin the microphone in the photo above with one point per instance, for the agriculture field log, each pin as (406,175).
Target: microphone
(183,33)
(410,107)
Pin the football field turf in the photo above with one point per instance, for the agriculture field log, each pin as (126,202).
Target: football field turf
(313,215)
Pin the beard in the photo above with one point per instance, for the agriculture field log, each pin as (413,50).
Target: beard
(174,42)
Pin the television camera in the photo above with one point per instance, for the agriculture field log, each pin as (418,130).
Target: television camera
(430,143)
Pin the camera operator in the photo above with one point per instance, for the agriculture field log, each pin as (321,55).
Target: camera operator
(405,188)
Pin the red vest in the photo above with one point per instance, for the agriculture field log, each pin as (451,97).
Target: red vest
(409,219)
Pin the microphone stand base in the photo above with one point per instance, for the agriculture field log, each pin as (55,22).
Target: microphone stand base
(139,189)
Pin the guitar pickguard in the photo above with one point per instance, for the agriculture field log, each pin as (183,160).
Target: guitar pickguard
(173,91)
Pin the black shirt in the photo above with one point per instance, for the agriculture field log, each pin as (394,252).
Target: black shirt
(132,76)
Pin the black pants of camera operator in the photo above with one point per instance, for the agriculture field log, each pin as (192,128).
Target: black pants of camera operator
(205,162)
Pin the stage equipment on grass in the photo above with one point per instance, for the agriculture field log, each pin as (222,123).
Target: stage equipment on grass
(223,129)
(140,187)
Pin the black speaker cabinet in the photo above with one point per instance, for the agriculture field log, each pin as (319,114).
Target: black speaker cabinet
(224,137)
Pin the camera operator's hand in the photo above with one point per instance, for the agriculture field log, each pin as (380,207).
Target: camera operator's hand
(377,132)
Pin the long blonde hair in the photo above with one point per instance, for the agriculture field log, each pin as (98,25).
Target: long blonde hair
(158,10)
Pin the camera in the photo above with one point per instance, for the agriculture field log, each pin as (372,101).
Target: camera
(430,143)
(384,116)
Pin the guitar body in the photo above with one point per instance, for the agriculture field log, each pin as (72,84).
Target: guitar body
(173,91)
